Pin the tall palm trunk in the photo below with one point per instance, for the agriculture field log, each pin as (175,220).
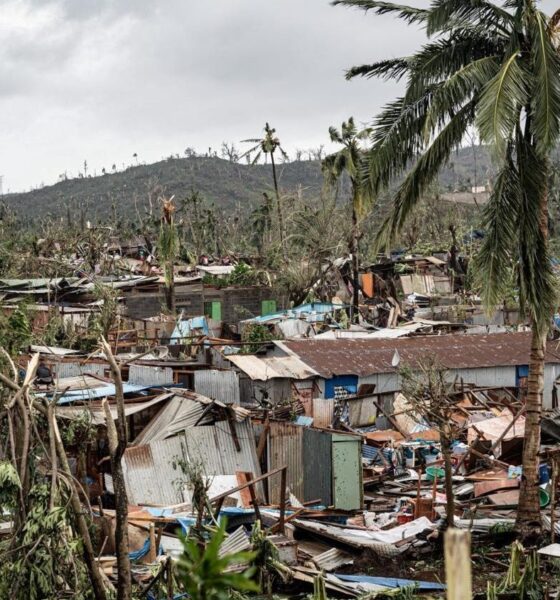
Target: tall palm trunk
(528,522)
(354,240)
(528,513)
(278,204)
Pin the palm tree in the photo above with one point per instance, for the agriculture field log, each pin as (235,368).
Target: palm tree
(492,67)
(350,160)
(268,145)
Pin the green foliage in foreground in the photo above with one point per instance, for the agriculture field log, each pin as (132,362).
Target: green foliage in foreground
(204,573)
(43,560)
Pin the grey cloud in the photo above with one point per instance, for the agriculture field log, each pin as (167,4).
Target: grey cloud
(100,80)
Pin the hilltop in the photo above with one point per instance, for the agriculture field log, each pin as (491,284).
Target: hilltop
(227,184)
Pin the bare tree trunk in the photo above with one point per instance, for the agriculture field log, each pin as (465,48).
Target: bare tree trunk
(118,439)
(170,288)
(77,508)
(450,499)
(528,513)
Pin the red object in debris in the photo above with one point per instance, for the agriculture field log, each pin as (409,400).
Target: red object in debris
(403,518)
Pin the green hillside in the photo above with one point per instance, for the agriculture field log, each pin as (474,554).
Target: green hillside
(227,184)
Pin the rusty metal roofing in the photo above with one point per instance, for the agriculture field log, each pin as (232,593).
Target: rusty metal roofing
(150,473)
(367,357)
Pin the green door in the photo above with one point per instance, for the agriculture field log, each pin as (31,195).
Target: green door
(213,310)
(268,307)
(347,472)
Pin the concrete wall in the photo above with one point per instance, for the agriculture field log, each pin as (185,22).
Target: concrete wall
(238,303)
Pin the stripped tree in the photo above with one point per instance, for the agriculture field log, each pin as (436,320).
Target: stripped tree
(117,436)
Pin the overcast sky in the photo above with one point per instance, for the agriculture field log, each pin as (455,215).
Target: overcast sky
(100,80)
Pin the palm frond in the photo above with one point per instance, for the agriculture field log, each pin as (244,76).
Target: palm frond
(501,103)
(537,284)
(447,14)
(424,172)
(439,60)
(409,13)
(394,68)
(349,130)
(500,221)
(335,135)
(396,139)
(458,89)
(545,105)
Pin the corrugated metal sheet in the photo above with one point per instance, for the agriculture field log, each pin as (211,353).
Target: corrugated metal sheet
(332,559)
(97,414)
(323,410)
(144,375)
(83,381)
(54,350)
(238,541)
(362,411)
(357,538)
(362,357)
(288,367)
(149,474)
(213,446)
(99,392)
(218,385)
(317,466)
(285,447)
(74,369)
(179,414)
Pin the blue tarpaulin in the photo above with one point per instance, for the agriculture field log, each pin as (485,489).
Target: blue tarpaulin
(314,311)
(187,328)
(393,582)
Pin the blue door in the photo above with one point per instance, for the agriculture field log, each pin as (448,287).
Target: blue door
(521,374)
(341,386)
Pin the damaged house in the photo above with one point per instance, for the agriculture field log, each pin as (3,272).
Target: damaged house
(332,369)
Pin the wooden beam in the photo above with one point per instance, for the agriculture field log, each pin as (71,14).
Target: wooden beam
(246,485)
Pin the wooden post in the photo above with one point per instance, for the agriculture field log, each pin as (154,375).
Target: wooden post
(282,501)
(458,564)
(152,555)
(254,500)
(169,578)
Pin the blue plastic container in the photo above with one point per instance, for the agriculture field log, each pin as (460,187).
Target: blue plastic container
(544,473)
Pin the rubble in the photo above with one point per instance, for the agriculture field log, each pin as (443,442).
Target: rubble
(308,438)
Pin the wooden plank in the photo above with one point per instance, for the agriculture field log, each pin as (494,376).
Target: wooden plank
(458,564)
